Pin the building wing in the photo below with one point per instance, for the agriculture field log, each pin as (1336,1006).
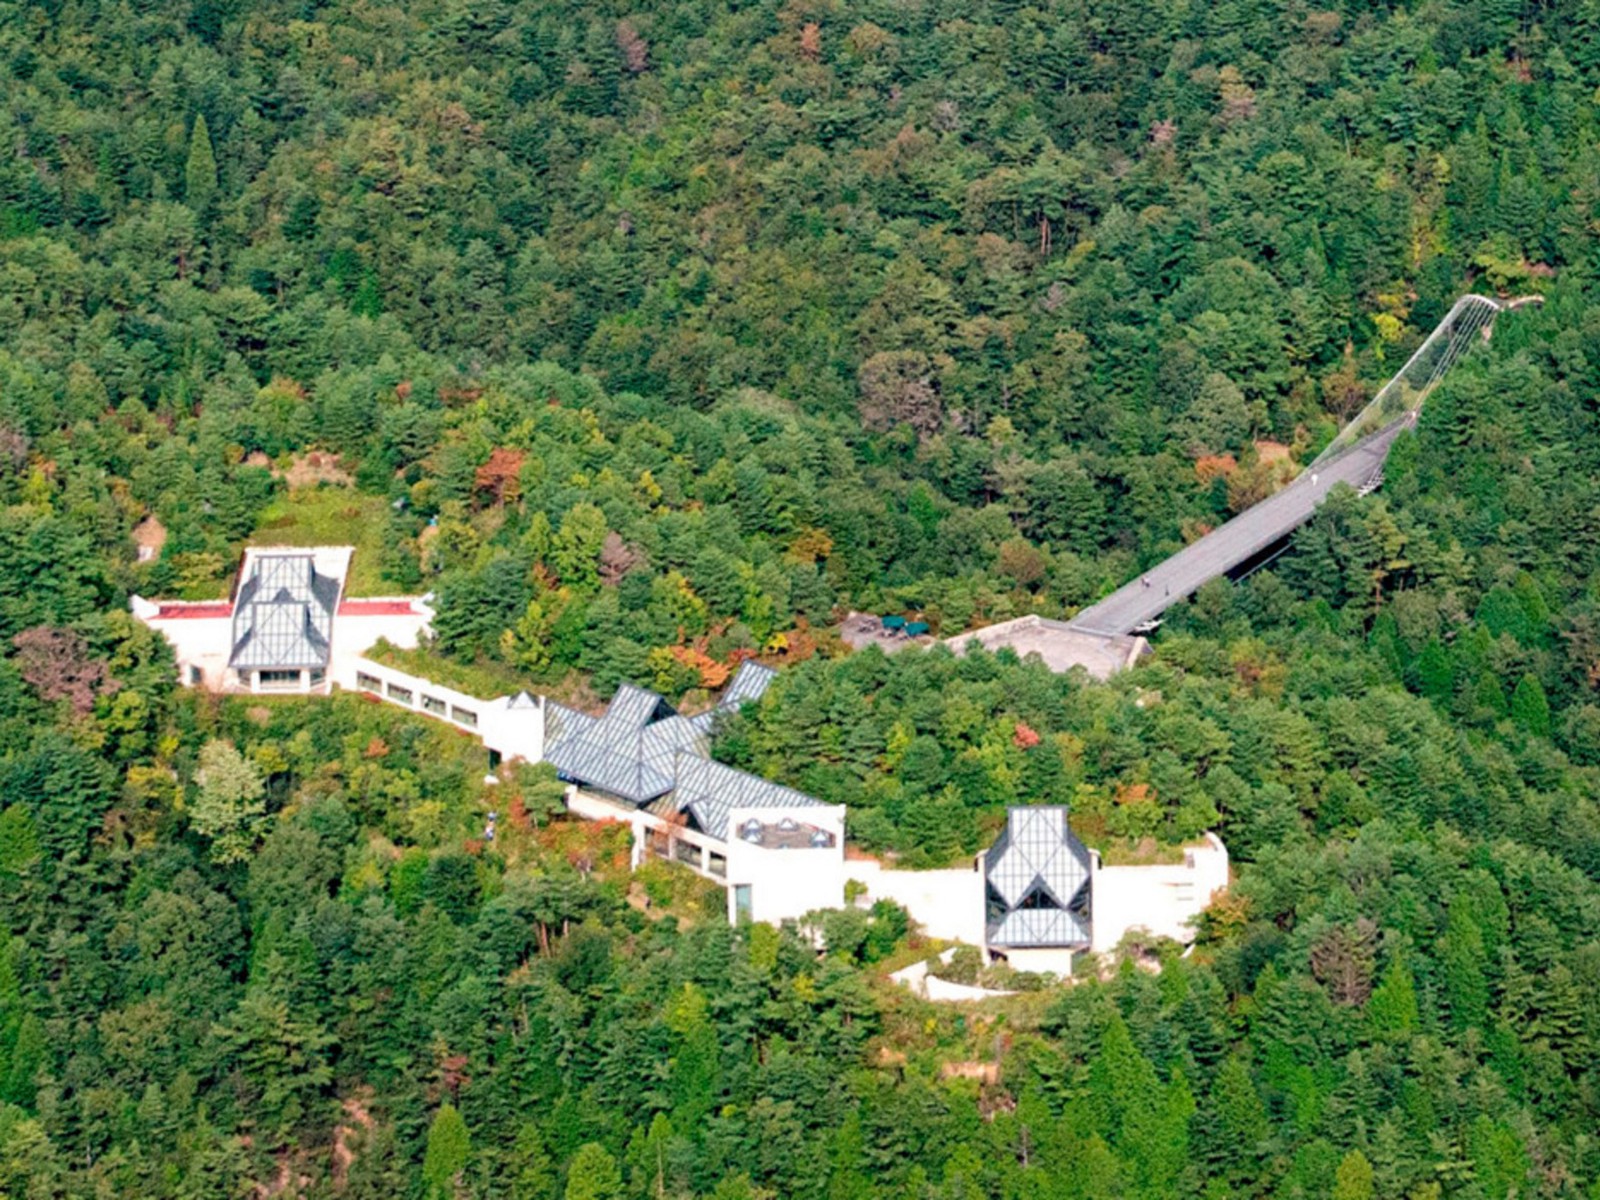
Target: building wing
(708,791)
(646,753)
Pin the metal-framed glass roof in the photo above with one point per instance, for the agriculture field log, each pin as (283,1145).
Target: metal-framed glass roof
(708,791)
(1038,881)
(643,751)
(283,615)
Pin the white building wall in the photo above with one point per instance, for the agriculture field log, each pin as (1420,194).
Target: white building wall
(202,642)
(1160,899)
(356,633)
(1043,960)
(947,904)
(785,884)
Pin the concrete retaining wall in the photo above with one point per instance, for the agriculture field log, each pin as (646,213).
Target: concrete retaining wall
(511,726)
(947,904)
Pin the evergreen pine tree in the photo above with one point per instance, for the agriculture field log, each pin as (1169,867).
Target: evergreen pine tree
(1490,698)
(1240,1127)
(1583,40)
(593,1175)
(1529,707)
(1466,991)
(446,1157)
(531,1174)
(19,1067)
(1534,606)
(1435,679)
(200,173)
(1392,1008)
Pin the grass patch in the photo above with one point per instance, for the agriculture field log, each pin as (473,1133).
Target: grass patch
(483,679)
(1138,852)
(332,516)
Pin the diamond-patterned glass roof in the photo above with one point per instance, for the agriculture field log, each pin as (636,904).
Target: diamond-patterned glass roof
(1039,927)
(643,751)
(1038,878)
(708,790)
(283,616)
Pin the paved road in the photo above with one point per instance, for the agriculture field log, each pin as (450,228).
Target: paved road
(1229,545)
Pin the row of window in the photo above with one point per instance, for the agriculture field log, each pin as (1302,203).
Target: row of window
(404,695)
(288,679)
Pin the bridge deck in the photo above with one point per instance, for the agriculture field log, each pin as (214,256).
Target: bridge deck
(1226,547)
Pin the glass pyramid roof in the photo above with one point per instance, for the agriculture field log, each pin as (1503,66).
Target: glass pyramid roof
(283,615)
(1038,881)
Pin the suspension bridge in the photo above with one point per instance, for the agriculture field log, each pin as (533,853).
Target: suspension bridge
(1355,457)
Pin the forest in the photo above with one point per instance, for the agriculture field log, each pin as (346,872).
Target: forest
(652,337)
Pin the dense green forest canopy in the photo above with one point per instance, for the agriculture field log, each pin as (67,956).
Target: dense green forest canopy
(647,337)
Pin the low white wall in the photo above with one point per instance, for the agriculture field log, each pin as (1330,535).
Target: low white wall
(1160,899)
(509,730)
(920,980)
(598,808)
(947,904)
(354,633)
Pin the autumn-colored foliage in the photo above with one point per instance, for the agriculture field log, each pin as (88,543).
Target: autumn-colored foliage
(635,50)
(500,476)
(1133,793)
(517,813)
(811,41)
(713,674)
(57,663)
(811,544)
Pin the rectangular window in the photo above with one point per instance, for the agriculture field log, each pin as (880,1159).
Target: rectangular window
(368,683)
(277,679)
(397,693)
(464,716)
(741,902)
(317,676)
(196,676)
(717,864)
(432,704)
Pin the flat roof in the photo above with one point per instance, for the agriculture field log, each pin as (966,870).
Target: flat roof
(1060,646)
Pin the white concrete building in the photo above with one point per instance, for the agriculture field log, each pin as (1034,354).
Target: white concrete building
(784,863)
(1037,898)
(1048,897)
(288,626)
